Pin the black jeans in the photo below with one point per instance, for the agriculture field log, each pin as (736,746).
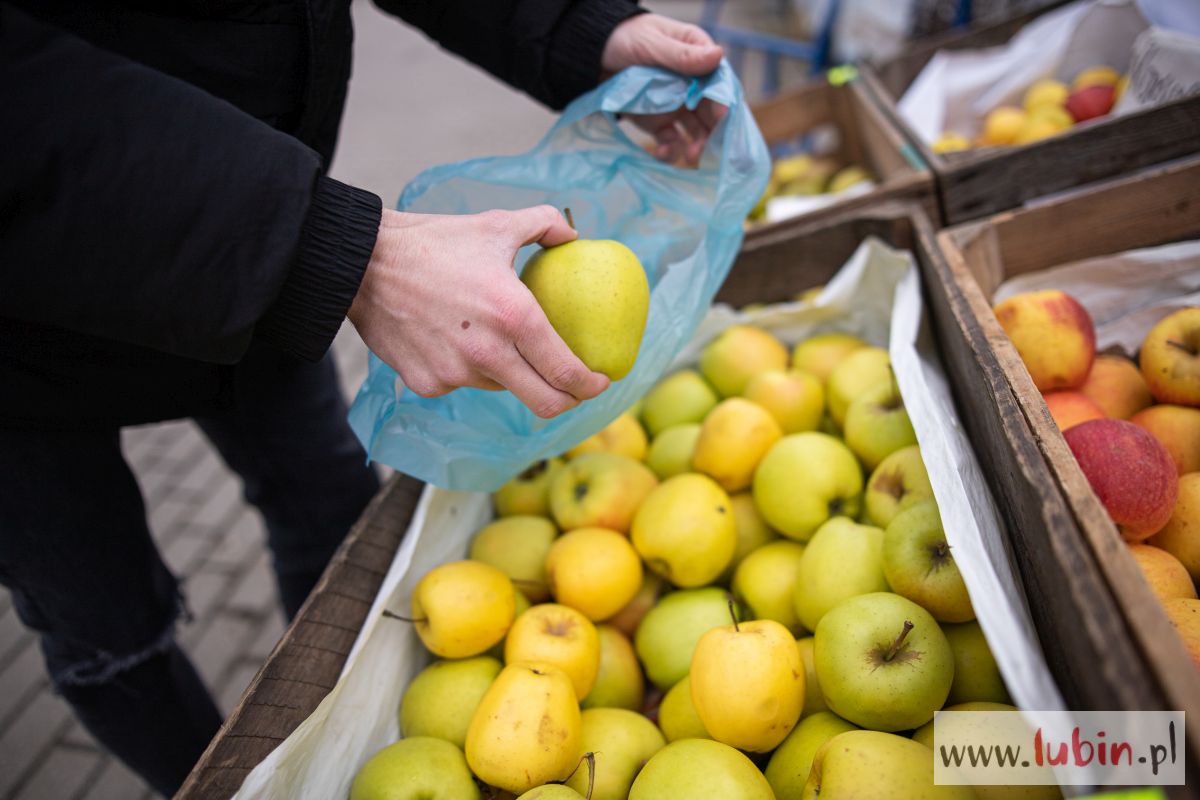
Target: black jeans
(85,574)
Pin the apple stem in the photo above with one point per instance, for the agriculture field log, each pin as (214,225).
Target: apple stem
(1181,346)
(733,615)
(391,615)
(590,758)
(896,645)
(570,219)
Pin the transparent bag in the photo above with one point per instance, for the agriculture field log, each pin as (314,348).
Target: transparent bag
(685,225)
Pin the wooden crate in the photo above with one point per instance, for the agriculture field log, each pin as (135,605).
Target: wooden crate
(977,183)
(865,137)
(1159,206)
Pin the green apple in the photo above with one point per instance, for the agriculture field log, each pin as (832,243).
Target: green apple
(462,608)
(600,490)
(919,565)
(883,662)
(700,769)
(748,684)
(796,399)
(622,742)
(814,701)
(595,294)
(671,451)
(819,355)
(528,492)
(733,439)
(843,559)
(619,683)
(517,546)
(441,700)
(551,791)
(667,635)
(870,764)
(858,371)
(737,354)
(677,715)
(416,768)
(899,482)
(806,479)
(765,582)
(684,530)
(752,532)
(877,424)
(976,676)
(679,399)
(925,735)
(788,769)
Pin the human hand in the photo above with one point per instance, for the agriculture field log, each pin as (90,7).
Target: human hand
(657,41)
(441,304)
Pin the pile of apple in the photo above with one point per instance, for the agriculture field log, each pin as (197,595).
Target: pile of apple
(699,599)
(1133,428)
(1049,108)
(805,175)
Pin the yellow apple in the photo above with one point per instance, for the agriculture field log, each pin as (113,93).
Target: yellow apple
(877,424)
(624,436)
(1053,335)
(677,715)
(619,681)
(814,701)
(1166,574)
(752,532)
(622,742)
(593,570)
(560,636)
(765,581)
(1046,92)
(1184,614)
(418,766)
(843,560)
(733,439)
(791,763)
(671,451)
(528,492)
(678,399)
(898,483)
(442,699)
(462,608)
(1181,536)
(1178,429)
(628,618)
(818,355)
(1170,358)
(976,676)
(804,480)
(599,490)
(1002,125)
(517,546)
(731,359)
(796,399)
(856,373)
(1117,386)
(685,531)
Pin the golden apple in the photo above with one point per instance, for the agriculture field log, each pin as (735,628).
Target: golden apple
(1177,428)
(737,354)
(462,608)
(1181,535)
(1170,358)
(733,439)
(1053,334)
(593,570)
(818,355)
(560,636)
(624,436)
(796,399)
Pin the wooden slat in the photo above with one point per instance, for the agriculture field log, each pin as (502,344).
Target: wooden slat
(307,661)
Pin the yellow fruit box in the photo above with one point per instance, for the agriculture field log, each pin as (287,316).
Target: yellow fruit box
(974,183)
(1076,563)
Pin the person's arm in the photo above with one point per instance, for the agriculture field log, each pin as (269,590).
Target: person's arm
(136,207)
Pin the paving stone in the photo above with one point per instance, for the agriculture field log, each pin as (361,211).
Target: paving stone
(242,538)
(115,781)
(13,635)
(5,599)
(77,736)
(221,644)
(28,737)
(218,506)
(184,553)
(204,474)
(22,679)
(63,774)
(203,591)
(238,679)
(269,633)
(169,517)
(255,592)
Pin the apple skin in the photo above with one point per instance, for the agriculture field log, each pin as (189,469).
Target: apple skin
(1090,102)
(796,399)
(804,480)
(551,791)
(877,424)
(919,565)
(899,482)
(1130,471)
(871,764)
(844,559)
(858,372)
(600,490)
(560,637)
(596,296)
(462,608)
(684,530)
(624,436)
(677,717)
(700,769)
(593,570)
(733,439)
(667,635)
(517,546)
(739,352)
(765,581)
(976,676)
(814,701)
(1181,535)
(681,398)
(752,532)
(1167,576)
(622,741)
(1184,614)
(628,618)
(529,492)
(1069,408)
(791,763)
(414,768)
(1170,358)
(1116,385)
(671,451)
(1053,334)
(866,678)
(619,681)
(1178,429)
(442,698)
(819,354)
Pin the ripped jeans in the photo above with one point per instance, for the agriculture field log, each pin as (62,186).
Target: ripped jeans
(76,552)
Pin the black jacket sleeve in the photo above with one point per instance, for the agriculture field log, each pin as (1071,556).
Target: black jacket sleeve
(548,48)
(136,207)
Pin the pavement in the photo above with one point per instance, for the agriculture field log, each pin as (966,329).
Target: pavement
(411,105)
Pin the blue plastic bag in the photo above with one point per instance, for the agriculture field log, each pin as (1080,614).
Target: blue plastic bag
(684,225)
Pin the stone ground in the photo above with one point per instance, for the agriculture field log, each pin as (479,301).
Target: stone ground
(411,106)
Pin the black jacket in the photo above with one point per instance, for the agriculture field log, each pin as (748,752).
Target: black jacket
(163,203)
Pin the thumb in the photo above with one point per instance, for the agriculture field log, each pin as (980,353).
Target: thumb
(688,57)
(542,224)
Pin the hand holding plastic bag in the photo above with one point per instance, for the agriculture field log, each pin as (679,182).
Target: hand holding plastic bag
(684,225)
